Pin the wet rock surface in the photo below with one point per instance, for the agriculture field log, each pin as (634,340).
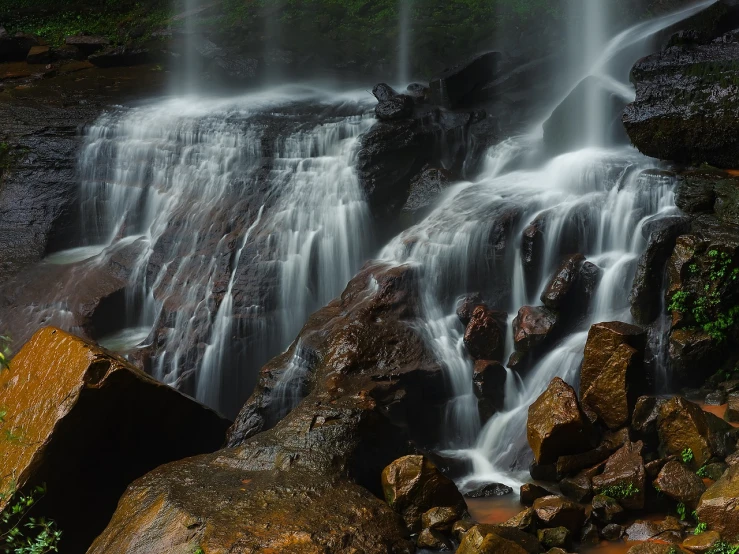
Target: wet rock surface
(86,423)
(718,505)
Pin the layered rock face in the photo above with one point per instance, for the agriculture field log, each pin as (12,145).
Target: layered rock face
(86,423)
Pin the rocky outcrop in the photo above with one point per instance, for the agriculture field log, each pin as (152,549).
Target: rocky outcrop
(555,511)
(425,189)
(624,477)
(556,424)
(534,328)
(718,505)
(686,103)
(485,334)
(87,423)
(681,484)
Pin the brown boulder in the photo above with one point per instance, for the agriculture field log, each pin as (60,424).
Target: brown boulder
(681,484)
(655,548)
(466,306)
(668,530)
(732,408)
(530,492)
(87,423)
(559,291)
(440,518)
(701,543)
(555,537)
(87,44)
(556,424)
(488,383)
(607,509)
(485,335)
(433,540)
(624,477)
(610,394)
(532,328)
(475,542)
(555,511)
(523,521)
(719,507)
(603,340)
(413,485)
(684,426)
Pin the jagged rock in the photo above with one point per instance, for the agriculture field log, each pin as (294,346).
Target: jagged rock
(686,104)
(613,393)
(555,511)
(555,538)
(524,521)
(715,398)
(412,485)
(607,509)
(701,543)
(691,348)
(732,408)
(461,527)
(475,543)
(718,505)
(589,534)
(425,189)
(120,56)
(491,490)
(560,288)
(397,107)
(647,288)
(467,305)
(573,463)
(439,518)
(612,532)
(530,492)
(87,423)
(624,477)
(383,91)
(684,425)
(695,192)
(87,44)
(433,540)
(489,380)
(533,328)
(645,418)
(525,540)
(556,424)
(680,484)
(668,530)
(580,487)
(485,334)
(568,127)
(453,86)
(390,154)
(655,466)
(715,470)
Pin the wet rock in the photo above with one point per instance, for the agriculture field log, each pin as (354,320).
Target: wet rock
(17,47)
(561,287)
(714,471)
(555,511)
(556,424)
(732,408)
(434,540)
(488,381)
(525,540)
(589,534)
(607,509)
(474,542)
(668,530)
(530,492)
(39,55)
(648,286)
(701,543)
(121,56)
(461,527)
(567,129)
(543,472)
(440,518)
(533,329)
(624,477)
(654,548)
(87,44)
(557,537)
(691,348)
(655,466)
(612,532)
(611,395)
(383,92)
(695,192)
(454,85)
(685,426)
(524,521)
(686,104)
(425,189)
(573,463)
(397,107)
(680,484)
(603,341)
(390,154)
(488,491)
(715,398)
(645,418)
(412,485)
(718,505)
(485,334)
(580,487)
(467,305)
(86,423)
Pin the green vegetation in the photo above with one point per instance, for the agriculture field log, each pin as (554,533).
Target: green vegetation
(20,533)
(681,511)
(722,547)
(4,352)
(700,528)
(707,309)
(687,455)
(702,472)
(619,492)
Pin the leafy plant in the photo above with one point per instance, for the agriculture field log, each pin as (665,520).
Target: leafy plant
(4,352)
(619,492)
(687,455)
(722,547)
(681,511)
(700,528)
(702,471)
(20,533)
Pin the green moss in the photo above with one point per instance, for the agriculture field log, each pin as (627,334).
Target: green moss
(619,492)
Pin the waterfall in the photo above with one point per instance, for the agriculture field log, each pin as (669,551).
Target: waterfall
(404,41)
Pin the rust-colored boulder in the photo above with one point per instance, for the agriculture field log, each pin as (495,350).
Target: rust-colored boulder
(485,334)
(523,521)
(603,340)
(719,508)
(681,484)
(532,327)
(701,543)
(684,425)
(440,518)
(475,542)
(624,477)
(555,511)
(530,492)
(413,485)
(87,423)
(609,395)
(559,291)
(556,424)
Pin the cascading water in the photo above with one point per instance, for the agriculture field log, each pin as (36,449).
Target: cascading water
(249,216)
(404,41)
(597,197)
